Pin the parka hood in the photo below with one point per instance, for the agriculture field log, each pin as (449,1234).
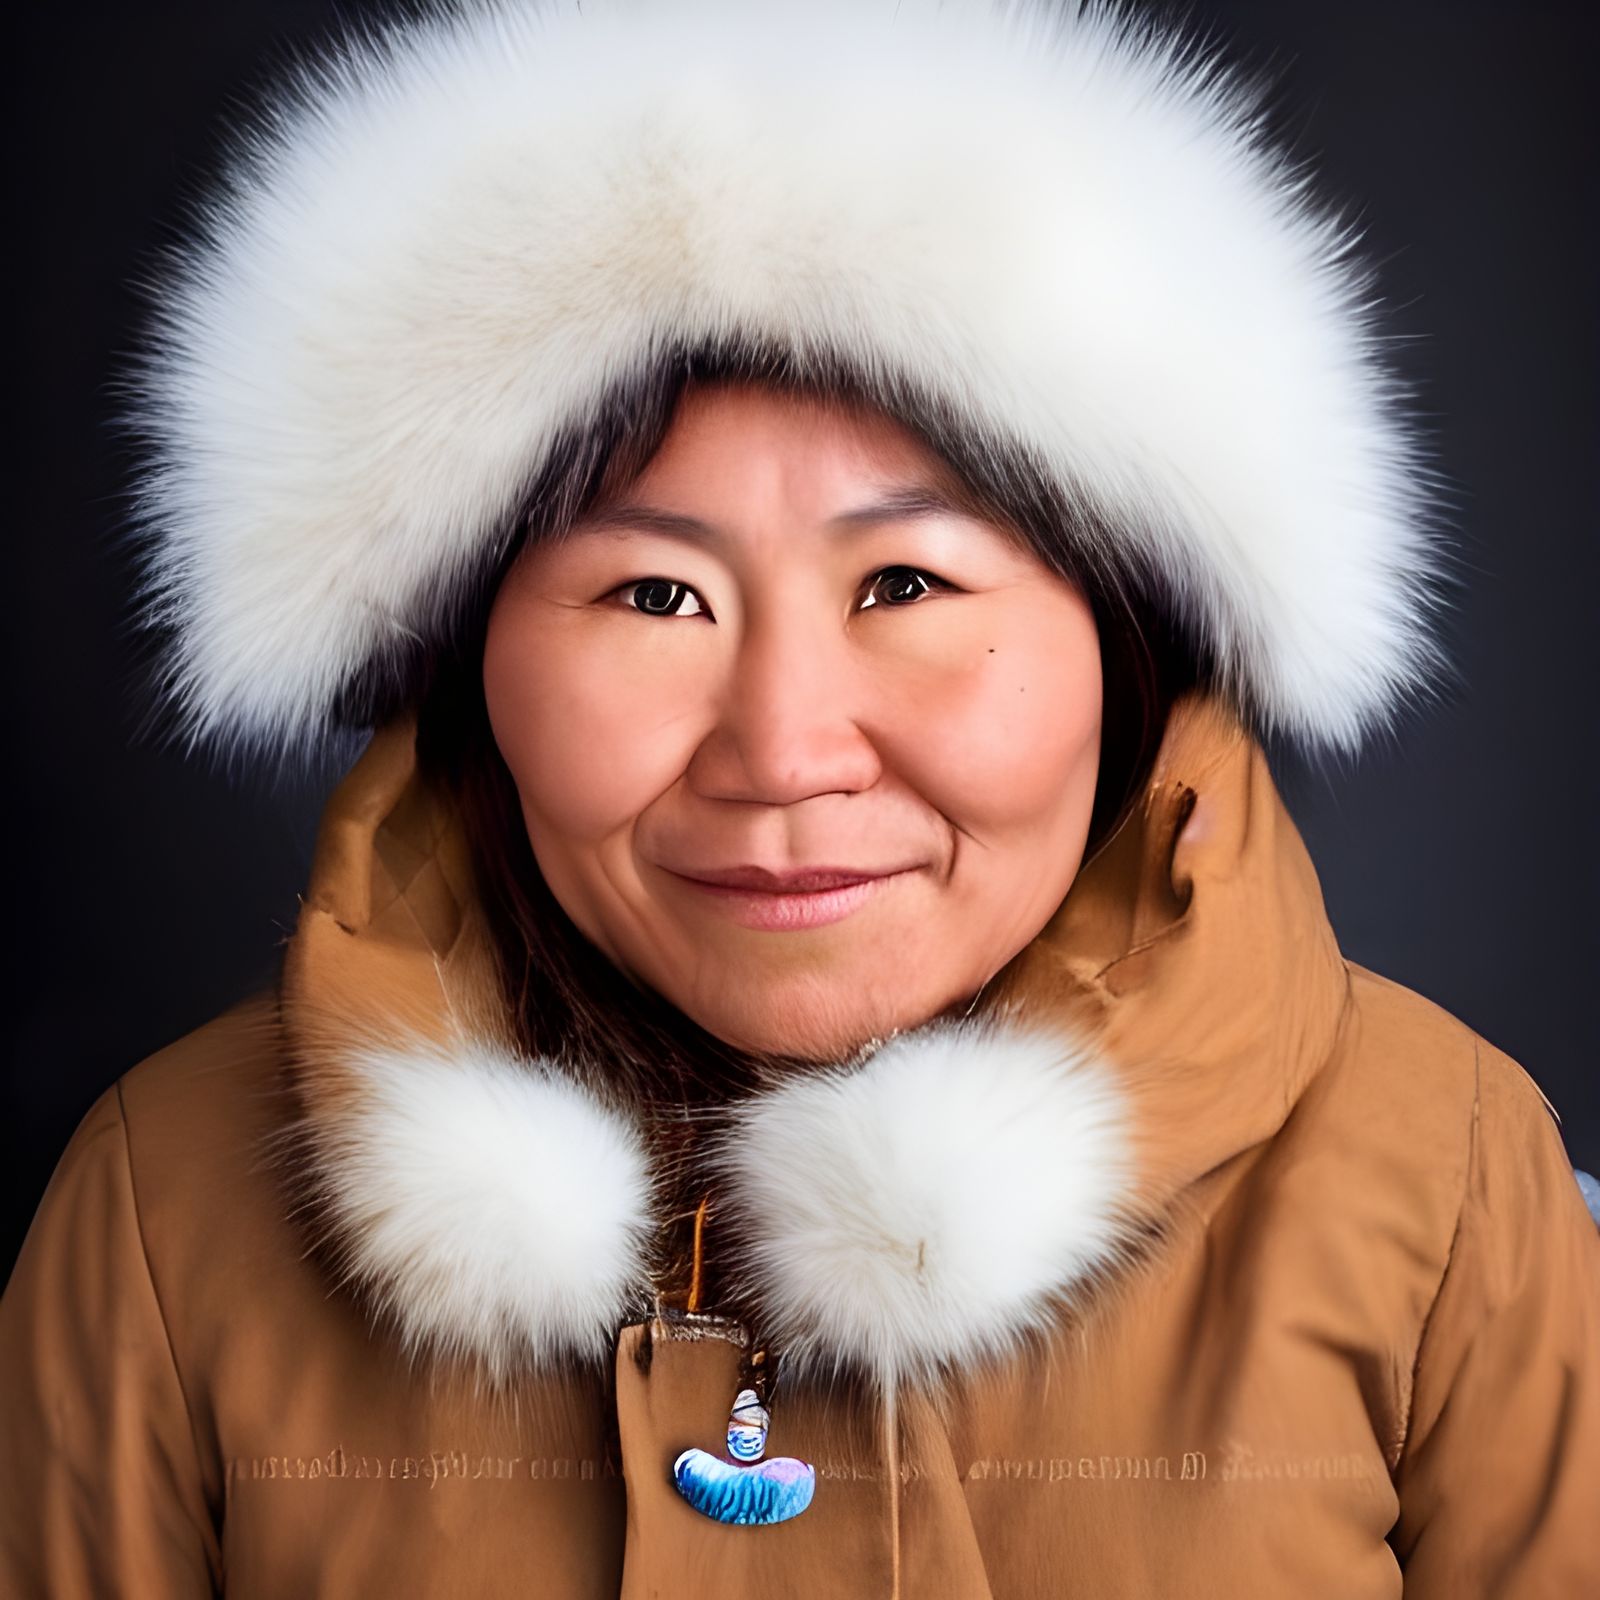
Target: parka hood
(1048,230)
(1052,239)
(920,1209)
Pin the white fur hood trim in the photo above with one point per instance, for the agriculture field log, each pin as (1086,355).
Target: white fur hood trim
(920,1212)
(1057,229)
(930,1209)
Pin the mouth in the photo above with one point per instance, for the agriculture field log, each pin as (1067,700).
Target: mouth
(810,897)
(801,880)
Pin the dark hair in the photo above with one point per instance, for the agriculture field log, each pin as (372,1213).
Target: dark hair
(569,1001)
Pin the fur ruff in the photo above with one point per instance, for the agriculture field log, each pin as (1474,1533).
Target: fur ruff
(449,247)
(932,1208)
(919,1212)
(492,1213)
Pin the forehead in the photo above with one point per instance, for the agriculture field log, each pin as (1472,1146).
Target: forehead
(709,413)
(743,443)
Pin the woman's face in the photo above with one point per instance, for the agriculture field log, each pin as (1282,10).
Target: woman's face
(786,650)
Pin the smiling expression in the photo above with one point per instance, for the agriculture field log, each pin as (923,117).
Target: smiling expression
(802,742)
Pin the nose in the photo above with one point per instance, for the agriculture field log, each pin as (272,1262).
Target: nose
(788,717)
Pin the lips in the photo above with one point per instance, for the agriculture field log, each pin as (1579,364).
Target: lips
(799,880)
(785,902)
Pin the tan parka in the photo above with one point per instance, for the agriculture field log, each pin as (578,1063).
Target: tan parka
(1356,1354)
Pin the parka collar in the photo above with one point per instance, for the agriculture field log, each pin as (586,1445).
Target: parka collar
(916,1211)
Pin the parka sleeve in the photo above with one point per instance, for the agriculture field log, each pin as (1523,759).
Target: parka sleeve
(100,1490)
(1499,1478)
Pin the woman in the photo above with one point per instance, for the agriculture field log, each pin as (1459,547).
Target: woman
(813,1060)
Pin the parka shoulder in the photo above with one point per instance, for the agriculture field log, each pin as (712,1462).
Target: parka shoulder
(1436,1071)
(1395,1100)
(1430,1098)
(1502,1441)
(247,1300)
(110,1482)
(197,1106)
(209,1121)
(206,1118)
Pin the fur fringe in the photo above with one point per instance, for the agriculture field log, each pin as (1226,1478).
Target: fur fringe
(448,248)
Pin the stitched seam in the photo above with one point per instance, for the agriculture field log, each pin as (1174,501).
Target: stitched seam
(208,1534)
(1450,1256)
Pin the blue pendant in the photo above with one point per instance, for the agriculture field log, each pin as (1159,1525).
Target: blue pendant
(752,1496)
(746,1491)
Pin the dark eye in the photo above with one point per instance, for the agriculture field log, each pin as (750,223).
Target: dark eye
(901,586)
(663,597)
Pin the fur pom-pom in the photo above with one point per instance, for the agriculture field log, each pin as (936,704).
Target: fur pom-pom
(930,1208)
(495,1209)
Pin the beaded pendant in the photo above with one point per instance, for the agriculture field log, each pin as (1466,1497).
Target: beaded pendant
(744,1489)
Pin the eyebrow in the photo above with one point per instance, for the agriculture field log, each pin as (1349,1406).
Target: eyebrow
(899,505)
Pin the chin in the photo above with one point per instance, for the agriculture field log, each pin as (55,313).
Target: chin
(814,1019)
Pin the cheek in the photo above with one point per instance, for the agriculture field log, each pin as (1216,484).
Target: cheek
(580,722)
(1005,740)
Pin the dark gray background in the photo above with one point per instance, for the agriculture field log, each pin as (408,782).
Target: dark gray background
(149,893)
